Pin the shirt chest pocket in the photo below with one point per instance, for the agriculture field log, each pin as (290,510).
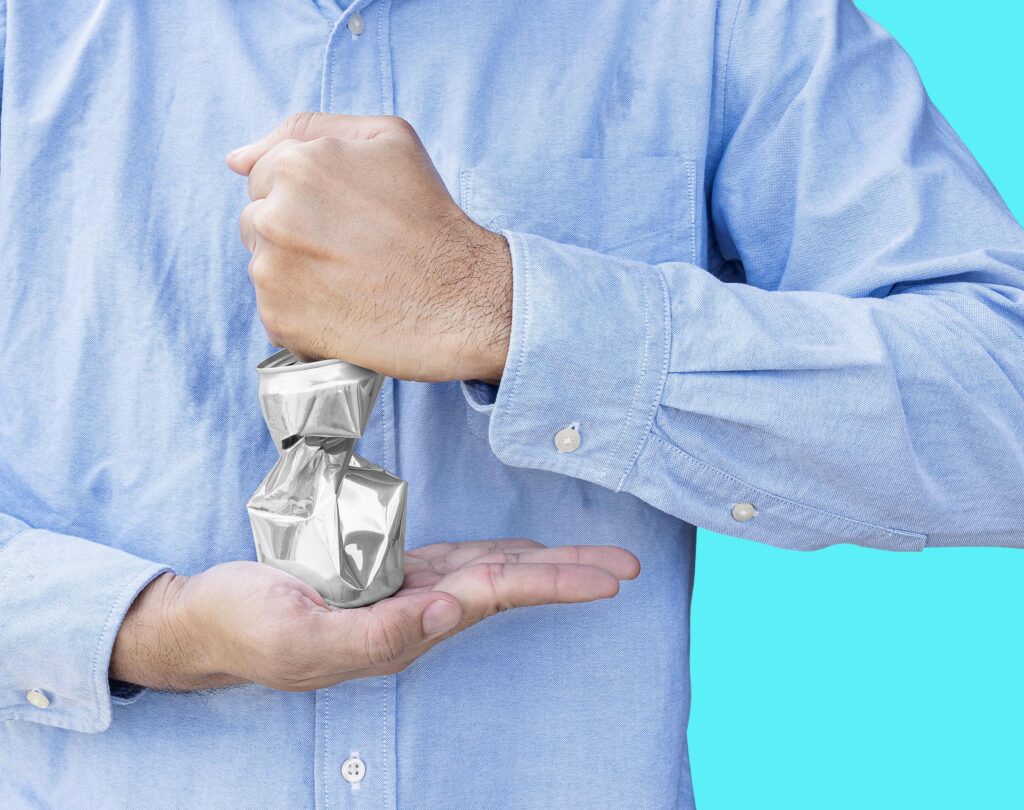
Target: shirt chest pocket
(640,208)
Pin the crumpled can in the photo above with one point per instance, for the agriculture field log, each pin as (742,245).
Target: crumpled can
(323,513)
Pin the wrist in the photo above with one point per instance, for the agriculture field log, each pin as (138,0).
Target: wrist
(160,645)
(492,269)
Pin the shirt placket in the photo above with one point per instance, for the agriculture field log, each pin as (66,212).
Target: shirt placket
(355,721)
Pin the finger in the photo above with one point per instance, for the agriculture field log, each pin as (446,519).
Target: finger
(261,177)
(246,228)
(445,557)
(488,588)
(419,578)
(385,632)
(616,561)
(309,126)
(575,583)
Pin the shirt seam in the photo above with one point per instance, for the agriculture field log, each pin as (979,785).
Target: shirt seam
(649,422)
(725,76)
(327,84)
(100,679)
(521,349)
(691,173)
(782,499)
(387,100)
(320,798)
(635,400)
(466,190)
(77,721)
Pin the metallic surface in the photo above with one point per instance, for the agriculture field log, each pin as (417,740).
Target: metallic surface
(325,398)
(324,514)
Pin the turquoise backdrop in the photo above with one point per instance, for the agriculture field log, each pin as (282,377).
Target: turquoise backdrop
(849,678)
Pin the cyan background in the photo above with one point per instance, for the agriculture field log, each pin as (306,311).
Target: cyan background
(849,678)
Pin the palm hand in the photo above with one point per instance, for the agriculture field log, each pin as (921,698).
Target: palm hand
(244,621)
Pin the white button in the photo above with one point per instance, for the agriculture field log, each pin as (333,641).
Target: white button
(37,699)
(567,440)
(742,512)
(353,769)
(355,24)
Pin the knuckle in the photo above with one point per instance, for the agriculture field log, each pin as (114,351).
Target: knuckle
(297,124)
(292,163)
(266,221)
(399,126)
(491,575)
(325,145)
(261,269)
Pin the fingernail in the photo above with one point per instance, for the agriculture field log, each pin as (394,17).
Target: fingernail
(234,153)
(440,617)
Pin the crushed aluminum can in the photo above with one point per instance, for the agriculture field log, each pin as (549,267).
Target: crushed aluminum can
(323,513)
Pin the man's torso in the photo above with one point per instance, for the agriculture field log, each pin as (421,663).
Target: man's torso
(129,411)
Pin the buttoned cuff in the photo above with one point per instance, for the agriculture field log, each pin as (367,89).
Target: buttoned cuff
(588,353)
(62,600)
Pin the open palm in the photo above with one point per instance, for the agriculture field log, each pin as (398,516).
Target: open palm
(249,622)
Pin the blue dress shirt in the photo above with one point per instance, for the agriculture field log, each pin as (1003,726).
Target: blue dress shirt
(754,270)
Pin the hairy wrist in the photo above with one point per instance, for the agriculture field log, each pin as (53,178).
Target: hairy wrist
(488,304)
(160,645)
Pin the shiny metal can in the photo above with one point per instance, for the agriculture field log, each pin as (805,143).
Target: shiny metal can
(322,513)
(324,399)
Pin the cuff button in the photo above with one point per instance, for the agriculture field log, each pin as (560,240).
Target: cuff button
(567,440)
(742,512)
(37,698)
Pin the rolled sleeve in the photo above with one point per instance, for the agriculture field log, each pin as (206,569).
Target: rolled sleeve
(62,600)
(598,369)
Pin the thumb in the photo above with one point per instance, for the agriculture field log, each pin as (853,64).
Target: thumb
(307,126)
(389,630)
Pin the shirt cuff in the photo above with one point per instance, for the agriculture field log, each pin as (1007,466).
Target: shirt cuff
(480,395)
(588,352)
(63,600)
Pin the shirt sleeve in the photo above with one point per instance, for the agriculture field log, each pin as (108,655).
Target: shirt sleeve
(864,385)
(62,600)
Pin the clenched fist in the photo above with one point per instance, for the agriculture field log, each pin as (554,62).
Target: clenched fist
(359,252)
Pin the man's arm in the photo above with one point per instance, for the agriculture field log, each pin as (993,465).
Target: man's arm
(62,599)
(864,386)
(76,613)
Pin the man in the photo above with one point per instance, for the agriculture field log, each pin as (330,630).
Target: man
(638,267)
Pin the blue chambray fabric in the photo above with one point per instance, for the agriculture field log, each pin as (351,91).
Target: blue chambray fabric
(752,264)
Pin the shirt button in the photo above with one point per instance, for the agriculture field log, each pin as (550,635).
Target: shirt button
(353,770)
(567,440)
(37,699)
(355,24)
(742,512)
